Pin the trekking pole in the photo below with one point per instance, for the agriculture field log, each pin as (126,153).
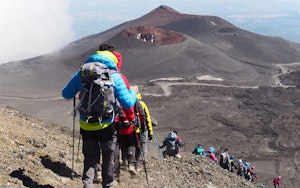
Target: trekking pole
(161,154)
(142,155)
(149,146)
(78,148)
(139,143)
(74,114)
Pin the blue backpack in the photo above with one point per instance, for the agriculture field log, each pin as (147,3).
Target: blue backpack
(199,150)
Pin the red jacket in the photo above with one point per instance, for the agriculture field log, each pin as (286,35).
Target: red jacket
(128,115)
(276,181)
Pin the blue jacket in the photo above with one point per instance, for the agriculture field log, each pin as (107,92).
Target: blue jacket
(126,98)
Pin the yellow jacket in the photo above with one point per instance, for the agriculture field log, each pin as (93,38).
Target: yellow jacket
(147,113)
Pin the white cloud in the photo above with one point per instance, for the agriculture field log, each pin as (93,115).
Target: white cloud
(33,27)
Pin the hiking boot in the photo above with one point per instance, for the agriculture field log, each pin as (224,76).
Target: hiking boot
(138,166)
(98,176)
(115,183)
(178,156)
(131,169)
(123,165)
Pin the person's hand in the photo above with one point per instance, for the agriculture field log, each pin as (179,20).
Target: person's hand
(149,137)
(135,88)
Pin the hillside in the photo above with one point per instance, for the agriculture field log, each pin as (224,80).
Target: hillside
(36,153)
(217,84)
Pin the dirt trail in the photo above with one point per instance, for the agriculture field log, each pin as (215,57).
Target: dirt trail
(285,68)
(165,85)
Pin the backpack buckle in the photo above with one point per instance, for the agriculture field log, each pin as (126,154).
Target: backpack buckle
(92,119)
(100,119)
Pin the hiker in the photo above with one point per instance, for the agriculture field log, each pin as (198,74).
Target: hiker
(246,170)
(277,182)
(251,174)
(129,140)
(126,126)
(129,113)
(225,159)
(211,154)
(144,131)
(232,165)
(199,150)
(179,145)
(125,117)
(96,135)
(240,168)
(173,145)
(146,124)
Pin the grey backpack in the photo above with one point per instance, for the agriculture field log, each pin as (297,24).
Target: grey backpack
(97,100)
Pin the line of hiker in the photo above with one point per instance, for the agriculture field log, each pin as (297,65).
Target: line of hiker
(113,118)
(227,162)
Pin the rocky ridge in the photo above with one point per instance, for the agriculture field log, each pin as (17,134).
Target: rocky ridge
(37,153)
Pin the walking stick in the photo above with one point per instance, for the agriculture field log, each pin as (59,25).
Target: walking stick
(143,156)
(74,114)
(149,146)
(161,154)
(139,143)
(78,148)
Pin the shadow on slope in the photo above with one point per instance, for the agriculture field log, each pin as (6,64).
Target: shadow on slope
(27,181)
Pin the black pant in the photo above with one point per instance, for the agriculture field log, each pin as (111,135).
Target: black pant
(92,142)
(127,145)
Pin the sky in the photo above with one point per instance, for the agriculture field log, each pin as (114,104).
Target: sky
(36,27)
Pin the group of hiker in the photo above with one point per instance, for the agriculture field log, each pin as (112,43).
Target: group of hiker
(146,37)
(113,119)
(115,124)
(227,162)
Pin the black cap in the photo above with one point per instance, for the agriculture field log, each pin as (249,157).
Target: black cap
(106,46)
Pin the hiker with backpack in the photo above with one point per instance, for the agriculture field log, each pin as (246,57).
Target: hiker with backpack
(199,150)
(225,159)
(232,164)
(144,131)
(99,83)
(179,144)
(277,182)
(240,168)
(246,170)
(127,141)
(173,144)
(251,174)
(126,125)
(128,113)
